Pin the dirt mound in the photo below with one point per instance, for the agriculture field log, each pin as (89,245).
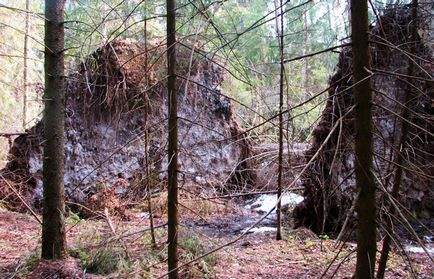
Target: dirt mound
(330,181)
(116,121)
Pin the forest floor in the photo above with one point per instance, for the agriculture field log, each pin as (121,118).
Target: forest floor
(115,248)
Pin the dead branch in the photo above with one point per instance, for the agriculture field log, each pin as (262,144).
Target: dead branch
(3,134)
(21,199)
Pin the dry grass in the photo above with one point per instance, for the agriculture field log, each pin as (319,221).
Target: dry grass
(129,253)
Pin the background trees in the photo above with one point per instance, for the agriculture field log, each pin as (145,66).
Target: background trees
(241,34)
(13,57)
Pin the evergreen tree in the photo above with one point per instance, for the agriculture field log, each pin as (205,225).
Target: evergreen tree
(53,227)
(172,196)
(366,208)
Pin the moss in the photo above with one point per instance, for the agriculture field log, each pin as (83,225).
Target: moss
(81,254)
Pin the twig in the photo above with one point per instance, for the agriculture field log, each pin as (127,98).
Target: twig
(22,200)
(113,230)
(315,53)
(13,134)
(269,212)
(350,212)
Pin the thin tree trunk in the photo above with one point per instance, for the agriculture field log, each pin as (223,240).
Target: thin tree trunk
(148,181)
(172,196)
(306,80)
(53,227)
(366,208)
(25,70)
(399,158)
(147,163)
(329,19)
(279,175)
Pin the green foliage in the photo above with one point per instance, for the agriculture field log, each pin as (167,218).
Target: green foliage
(192,245)
(92,23)
(241,35)
(12,32)
(323,237)
(32,260)
(192,248)
(304,119)
(3,204)
(309,243)
(81,254)
(103,256)
(106,260)
(73,219)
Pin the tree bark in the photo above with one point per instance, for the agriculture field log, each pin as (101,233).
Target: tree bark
(172,196)
(53,227)
(279,175)
(366,208)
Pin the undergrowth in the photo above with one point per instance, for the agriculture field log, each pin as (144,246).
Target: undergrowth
(193,247)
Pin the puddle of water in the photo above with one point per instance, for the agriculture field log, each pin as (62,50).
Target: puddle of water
(254,208)
(261,229)
(266,202)
(418,249)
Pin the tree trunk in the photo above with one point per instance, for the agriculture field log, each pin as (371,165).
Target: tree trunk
(366,208)
(25,70)
(172,196)
(53,227)
(147,161)
(279,175)
(306,73)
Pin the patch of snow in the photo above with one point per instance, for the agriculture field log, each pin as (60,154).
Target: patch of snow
(428,238)
(267,202)
(300,146)
(261,229)
(191,170)
(418,249)
(144,214)
(38,193)
(35,164)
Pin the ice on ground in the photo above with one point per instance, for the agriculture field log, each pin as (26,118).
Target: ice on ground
(418,249)
(144,214)
(260,229)
(266,202)
(428,238)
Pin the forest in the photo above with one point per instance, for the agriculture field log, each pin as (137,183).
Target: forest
(216,139)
